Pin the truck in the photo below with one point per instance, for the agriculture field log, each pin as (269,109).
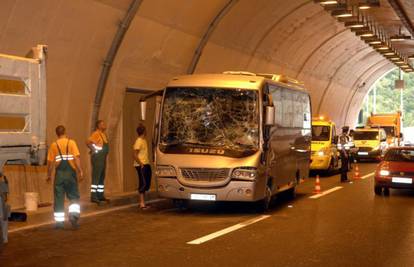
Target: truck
(235,136)
(325,156)
(391,123)
(23,108)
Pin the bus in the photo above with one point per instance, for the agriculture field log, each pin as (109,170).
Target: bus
(236,136)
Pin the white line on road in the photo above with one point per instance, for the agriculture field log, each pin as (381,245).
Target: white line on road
(227,230)
(86,215)
(326,192)
(368,175)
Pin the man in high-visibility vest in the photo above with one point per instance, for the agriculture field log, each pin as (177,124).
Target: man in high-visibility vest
(64,160)
(99,147)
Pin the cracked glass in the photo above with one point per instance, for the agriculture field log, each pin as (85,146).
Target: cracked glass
(217,120)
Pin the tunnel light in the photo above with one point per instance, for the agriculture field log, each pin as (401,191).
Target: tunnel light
(394,58)
(354,24)
(389,54)
(342,13)
(399,38)
(374,42)
(364,6)
(405,66)
(327,2)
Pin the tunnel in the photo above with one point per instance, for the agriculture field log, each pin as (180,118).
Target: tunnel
(103,56)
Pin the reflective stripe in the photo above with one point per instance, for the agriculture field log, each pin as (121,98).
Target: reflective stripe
(96,147)
(59,216)
(94,186)
(74,208)
(100,190)
(64,157)
(101,186)
(93,190)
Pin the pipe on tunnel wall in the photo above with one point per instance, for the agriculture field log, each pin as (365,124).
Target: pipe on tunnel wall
(110,57)
(206,37)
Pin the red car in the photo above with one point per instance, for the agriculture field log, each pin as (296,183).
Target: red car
(396,170)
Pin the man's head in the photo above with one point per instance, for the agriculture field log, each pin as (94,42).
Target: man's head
(60,130)
(100,125)
(141,130)
(345,129)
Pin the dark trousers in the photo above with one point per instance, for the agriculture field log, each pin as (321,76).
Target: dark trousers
(344,167)
(144,177)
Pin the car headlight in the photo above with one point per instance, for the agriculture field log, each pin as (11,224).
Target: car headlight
(384,172)
(321,153)
(244,174)
(166,171)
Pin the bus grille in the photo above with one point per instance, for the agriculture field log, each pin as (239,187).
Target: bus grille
(205,175)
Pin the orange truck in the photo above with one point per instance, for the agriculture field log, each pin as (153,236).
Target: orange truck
(391,123)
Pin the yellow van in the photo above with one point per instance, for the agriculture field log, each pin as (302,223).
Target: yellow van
(370,143)
(324,150)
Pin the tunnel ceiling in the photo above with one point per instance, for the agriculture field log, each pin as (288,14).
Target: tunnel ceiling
(296,37)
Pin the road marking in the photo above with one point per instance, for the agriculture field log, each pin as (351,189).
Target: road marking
(326,192)
(227,230)
(368,175)
(86,215)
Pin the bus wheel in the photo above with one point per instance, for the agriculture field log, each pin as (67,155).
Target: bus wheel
(291,193)
(264,204)
(181,204)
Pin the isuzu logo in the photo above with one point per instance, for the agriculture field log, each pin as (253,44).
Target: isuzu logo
(212,151)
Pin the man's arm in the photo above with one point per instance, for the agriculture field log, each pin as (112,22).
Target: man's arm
(79,167)
(50,170)
(136,153)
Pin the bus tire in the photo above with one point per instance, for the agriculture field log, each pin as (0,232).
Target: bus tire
(291,193)
(181,204)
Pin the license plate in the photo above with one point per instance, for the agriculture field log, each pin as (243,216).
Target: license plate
(402,180)
(363,153)
(205,197)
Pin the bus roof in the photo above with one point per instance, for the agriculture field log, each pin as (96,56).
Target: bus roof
(242,80)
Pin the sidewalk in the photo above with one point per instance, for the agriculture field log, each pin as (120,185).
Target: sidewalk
(44,215)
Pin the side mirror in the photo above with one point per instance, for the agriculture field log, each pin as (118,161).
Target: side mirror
(270,115)
(335,140)
(143,110)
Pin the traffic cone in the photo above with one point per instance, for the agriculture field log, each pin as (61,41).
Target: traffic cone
(317,186)
(357,176)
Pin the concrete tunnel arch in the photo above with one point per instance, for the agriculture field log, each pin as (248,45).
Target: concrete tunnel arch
(295,37)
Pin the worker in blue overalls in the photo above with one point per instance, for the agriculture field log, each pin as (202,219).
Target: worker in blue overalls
(64,160)
(99,149)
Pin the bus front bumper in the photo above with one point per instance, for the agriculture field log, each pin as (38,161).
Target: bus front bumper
(245,191)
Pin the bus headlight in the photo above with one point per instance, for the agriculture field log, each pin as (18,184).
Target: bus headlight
(321,153)
(384,172)
(166,171)
(244,174)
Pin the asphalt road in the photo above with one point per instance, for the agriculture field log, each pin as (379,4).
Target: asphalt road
(348,227)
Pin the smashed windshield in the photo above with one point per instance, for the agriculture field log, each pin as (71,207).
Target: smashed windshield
(320,133)
(224,119)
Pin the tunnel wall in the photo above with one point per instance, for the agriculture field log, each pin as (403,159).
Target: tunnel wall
(296,37)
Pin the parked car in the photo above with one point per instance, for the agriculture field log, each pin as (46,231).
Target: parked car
(396,170)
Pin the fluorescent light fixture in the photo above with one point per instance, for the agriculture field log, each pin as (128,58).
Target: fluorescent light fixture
(364,6)
(374,42)
(342,13)
(399,38)
(354,24)
(327,2)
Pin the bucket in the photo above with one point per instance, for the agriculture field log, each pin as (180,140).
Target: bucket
(31,200)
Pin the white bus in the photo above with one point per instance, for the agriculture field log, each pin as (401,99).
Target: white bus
(235,136)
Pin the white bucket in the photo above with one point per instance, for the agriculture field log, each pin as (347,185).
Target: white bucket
(31,200)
